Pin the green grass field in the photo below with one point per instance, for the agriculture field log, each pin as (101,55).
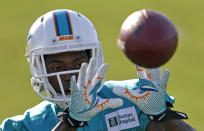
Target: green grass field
(186,81)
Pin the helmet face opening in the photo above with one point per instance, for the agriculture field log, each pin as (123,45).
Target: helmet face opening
(67,61)
(48,39)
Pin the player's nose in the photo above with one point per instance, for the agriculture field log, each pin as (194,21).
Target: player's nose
(65,78)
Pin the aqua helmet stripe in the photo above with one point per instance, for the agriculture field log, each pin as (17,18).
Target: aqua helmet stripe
(62,23)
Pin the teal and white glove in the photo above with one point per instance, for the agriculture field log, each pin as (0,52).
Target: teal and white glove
(85,102)
(150,95)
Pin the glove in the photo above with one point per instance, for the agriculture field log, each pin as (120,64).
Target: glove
(85,102)
(150,95)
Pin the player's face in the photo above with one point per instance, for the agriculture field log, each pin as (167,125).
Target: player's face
(63,62)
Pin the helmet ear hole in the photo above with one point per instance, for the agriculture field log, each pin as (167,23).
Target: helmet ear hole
(42,19)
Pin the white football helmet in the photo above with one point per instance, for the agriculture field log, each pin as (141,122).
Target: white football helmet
(55,32)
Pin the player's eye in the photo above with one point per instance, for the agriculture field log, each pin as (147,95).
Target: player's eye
(74,67)
(78,66)
(57,68)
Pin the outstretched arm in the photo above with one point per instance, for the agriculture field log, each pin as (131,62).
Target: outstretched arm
(177,125)
(155,126)
(169,125)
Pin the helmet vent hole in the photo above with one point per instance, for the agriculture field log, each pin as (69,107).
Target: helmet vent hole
(53,40)
(78,14)
(42,19)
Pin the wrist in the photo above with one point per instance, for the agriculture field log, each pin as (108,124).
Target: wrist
(69,121)
(167,115)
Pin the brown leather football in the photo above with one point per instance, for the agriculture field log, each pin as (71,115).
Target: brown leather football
(148,38)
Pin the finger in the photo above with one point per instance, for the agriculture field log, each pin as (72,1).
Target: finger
(73,85)
(99,77)
(157,74)
(141,72)
(165,78)
(82,75)
(91,71)
(101,71)
(149,74)
(154,74)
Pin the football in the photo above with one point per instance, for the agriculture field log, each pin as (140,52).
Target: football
(148,38)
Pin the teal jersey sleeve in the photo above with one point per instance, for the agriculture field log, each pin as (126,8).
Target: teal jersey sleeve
(39,118)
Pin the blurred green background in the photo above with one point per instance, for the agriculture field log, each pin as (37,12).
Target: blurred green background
(186,82)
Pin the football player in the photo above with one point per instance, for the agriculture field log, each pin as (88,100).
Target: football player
(66,63)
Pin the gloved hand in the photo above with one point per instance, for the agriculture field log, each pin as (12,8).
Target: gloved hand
(85,102)
(150,95)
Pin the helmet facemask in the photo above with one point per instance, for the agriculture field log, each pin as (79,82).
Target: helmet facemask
(40,80)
